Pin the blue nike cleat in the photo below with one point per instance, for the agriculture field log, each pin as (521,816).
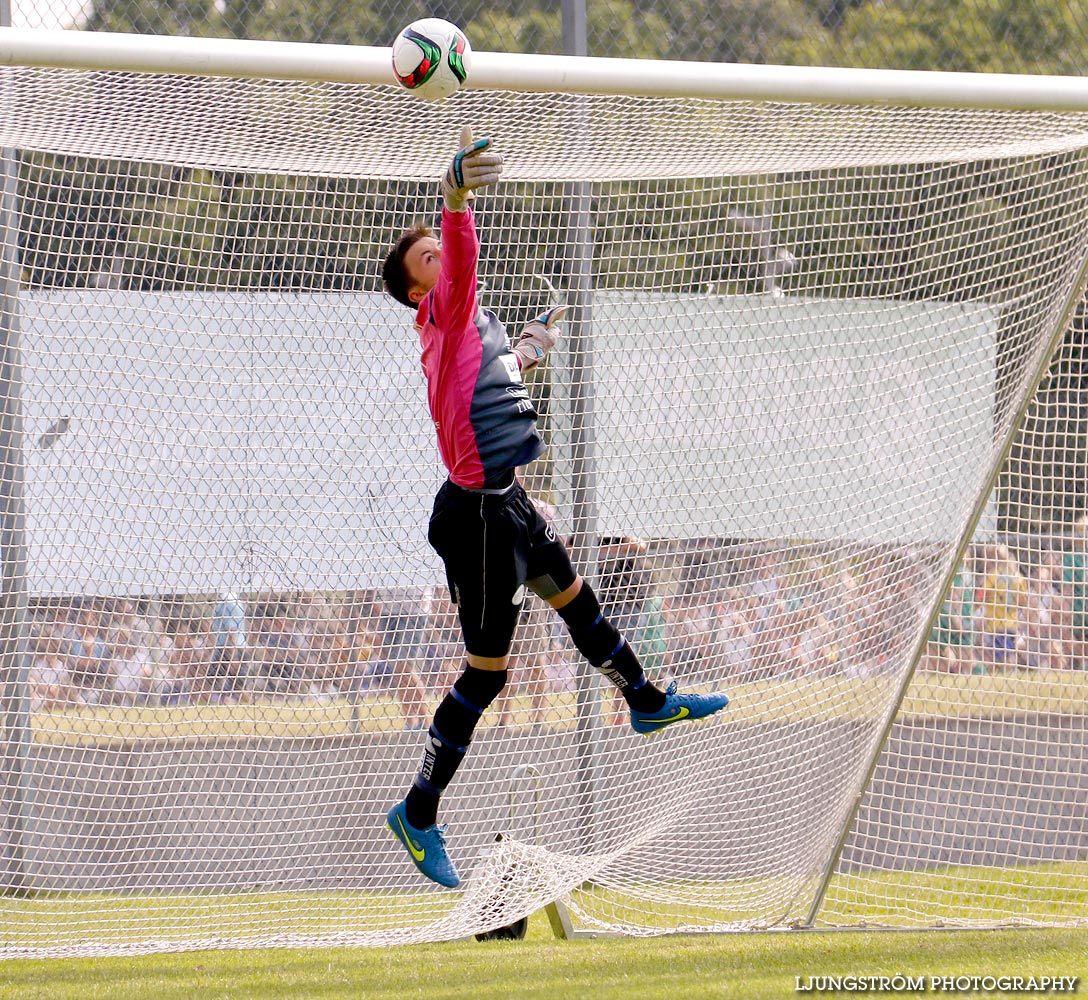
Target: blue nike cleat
(678,708)
(427,847)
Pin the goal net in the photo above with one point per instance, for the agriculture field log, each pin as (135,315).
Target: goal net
(813,434)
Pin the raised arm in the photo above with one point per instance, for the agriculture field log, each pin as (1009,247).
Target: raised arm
(454,304)
(474,166)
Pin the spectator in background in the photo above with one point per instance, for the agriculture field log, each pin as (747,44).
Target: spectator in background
(846,618)
(1043,633)
(228,624)
(837,579)
(1075,595)
(279,651)
(363,630)
(362,612)
(50,677)
(808,586)
(769,614)
(907,580)
(808,644)
(882,610)
(765,585)
(378,674)
(127,614)
(403,631)
(736,617)
(324,637)
(162,650)
(691,631)
(807,648)
(67,625)
(228,667)
(190,659)
(952,646)
(90,654)
(132,666)
(1003,599)
(332,650)
(871,605)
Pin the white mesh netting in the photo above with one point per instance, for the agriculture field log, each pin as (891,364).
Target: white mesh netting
(800,340)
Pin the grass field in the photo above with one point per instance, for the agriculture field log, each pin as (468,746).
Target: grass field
(741,966)
(930,696)
(954,897)
(940,897)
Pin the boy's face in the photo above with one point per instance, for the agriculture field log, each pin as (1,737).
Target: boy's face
(423,263)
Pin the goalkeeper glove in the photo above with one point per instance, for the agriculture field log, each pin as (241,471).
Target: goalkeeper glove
(473,167)
(537,337)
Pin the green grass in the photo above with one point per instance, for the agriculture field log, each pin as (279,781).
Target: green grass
(112,920)
(741,966)
(960,896)
(930,696)
(744,966)
(941,897)
(945,897)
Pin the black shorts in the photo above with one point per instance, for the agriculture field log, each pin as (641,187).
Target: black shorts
(494,546)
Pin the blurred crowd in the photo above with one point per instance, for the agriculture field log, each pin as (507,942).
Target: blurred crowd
(701,612)
(1008,610)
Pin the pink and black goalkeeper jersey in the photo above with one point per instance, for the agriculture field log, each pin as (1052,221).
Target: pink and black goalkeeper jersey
(485,421)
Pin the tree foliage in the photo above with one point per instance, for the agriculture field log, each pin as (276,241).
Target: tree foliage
(981,36)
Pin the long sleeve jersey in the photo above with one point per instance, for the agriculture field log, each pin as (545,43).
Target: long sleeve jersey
(484,419)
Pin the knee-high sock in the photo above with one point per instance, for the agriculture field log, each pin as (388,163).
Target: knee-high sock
(597,639)
(448,739)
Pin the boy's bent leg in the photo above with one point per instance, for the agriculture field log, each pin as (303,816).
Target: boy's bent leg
(448,739)
(597,639)
(550,575)
(474,535)
(599,642)
(413,821)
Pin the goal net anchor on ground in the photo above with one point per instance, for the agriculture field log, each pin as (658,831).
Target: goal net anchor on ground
(557,912)
(517,929)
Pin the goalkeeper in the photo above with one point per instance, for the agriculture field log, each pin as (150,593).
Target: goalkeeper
(493,541)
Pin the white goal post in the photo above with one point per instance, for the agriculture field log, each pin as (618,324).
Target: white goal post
(818,385)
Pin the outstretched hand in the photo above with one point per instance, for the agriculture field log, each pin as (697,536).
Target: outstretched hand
(537,337)
(474,166)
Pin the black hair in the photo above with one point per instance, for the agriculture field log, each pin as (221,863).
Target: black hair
(394,274)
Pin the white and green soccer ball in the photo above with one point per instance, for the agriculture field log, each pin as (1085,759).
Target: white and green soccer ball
(431,58)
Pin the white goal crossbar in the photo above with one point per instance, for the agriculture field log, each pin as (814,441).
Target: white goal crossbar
(544,73)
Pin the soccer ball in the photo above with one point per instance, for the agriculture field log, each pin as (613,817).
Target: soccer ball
(431,58)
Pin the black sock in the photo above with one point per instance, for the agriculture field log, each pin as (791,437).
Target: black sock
(448,740)
(596,638)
